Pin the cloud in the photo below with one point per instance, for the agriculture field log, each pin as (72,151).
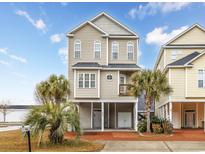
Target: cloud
(63,53)
(159,36)
(4,50)
(39,24)
(17,58)
(56,38)
(151,9)
(2,62)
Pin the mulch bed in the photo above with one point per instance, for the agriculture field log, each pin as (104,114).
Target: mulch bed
(178,135)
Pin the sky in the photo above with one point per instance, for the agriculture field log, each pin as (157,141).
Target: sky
(33,43)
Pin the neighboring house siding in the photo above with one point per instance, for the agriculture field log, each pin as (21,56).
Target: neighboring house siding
(180,53)
(178,83)
(192,78)
(122,55)
(160,65)
(195,36)
(110,27)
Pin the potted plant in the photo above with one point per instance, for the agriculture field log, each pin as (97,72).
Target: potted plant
(167,126)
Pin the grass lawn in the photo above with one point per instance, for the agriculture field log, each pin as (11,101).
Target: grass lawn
(15,142)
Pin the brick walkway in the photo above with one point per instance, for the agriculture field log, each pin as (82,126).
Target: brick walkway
(178,135)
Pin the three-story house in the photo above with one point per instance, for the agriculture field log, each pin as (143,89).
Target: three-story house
(102,56)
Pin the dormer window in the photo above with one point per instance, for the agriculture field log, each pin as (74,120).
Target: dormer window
(77,49)
(115,50)
(130,50)
(97,49)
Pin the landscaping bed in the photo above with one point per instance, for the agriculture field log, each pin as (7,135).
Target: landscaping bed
(13,141)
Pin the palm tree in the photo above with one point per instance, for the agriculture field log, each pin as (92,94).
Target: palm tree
(55,89)
(151,84)
(55,118)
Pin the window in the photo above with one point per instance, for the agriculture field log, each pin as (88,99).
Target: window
(201,75)
(97,49)
(86,80)
(130,50)
(115,50)
(109,77)
(77,49)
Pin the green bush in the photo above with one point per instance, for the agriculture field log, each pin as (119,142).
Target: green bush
(155,120)
(157,129)
(167,126)
(142,126)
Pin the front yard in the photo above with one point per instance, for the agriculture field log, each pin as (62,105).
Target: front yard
(15,142)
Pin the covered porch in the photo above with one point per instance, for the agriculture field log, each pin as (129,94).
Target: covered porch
(184,114)
(108,116)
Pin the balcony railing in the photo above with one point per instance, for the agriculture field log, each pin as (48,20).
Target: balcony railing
(124,90)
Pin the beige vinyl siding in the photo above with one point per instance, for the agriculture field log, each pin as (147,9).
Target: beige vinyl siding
(87,35)
(192,78)
(160,65)
(194,36)
(178,83)
(122,55)
(110,27)
(181,53)
(87,92)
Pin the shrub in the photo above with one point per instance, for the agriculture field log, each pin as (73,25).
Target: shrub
(142,126)
(167,126)
(155,120)
(157,129)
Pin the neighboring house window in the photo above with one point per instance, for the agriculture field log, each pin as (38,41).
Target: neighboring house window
(130,50)
(86,80)
(109,77)
(201,76)
(80,81)
(115,50)
(77,49)
(97,49)
(174,55)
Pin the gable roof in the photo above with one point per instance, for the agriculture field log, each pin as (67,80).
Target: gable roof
(185,60)
(174,38)
(85,23)
(115,21)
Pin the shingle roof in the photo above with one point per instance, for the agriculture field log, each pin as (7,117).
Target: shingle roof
(87,64)
(122,66)
(184,60)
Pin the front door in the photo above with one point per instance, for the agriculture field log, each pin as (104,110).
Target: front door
(190,119)
(97,119)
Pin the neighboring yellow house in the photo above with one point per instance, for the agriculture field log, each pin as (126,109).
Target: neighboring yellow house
(183,61)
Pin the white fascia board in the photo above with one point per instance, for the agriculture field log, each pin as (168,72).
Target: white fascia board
(183,47)
(87,68)
(103,100)
(121,36)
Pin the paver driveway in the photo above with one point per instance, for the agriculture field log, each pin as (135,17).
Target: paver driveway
(154,146)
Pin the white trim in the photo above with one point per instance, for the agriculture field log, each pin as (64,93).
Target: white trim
(197,115)
(108,116)
(189,100)
(137,51)
(77,40)
(164,59)
(89,80)
(94,50)
(74,83)
(170,82)
(90,23)
(130,69)
(107,51)
(170,111)
(102,116)
(185,82)
(130,43)
(87,68)
(118,48)
(136,115)
(118,82)
(201,54)
(125,27)
(115,113)
(121,36)
(91,115)
(98,83)
(103,100)
(184,47)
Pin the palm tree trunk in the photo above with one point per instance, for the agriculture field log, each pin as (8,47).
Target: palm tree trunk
(148,114)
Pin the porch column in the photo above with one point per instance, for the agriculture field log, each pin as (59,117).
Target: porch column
(197,115)
(115,115)
(91,115)
(108,115)
(102,116)
(136,115)
(167,111)
(170,111)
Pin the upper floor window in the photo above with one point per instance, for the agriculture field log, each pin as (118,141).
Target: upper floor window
(130,50)
(97,49)
(77,49)
(201,78)
(86,80)
(109,77)
(115,50)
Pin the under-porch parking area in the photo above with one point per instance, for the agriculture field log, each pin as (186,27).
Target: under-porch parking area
(98,116)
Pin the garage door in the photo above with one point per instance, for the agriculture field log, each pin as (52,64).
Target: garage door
(124,120)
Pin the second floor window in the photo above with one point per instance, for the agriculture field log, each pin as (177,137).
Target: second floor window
(77,49)
(97,49)
(86,80)
(130,50)
(201,78)
(115,50)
